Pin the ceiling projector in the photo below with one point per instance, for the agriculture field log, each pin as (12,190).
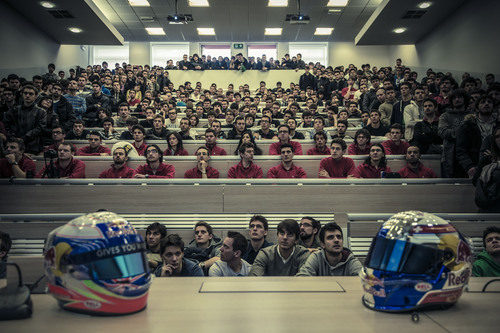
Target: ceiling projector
(297,19)
(179,18)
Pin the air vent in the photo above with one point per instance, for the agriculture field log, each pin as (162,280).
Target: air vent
(147,18)
(414,14)
(60,14)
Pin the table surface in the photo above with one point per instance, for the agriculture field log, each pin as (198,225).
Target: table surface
(266,304)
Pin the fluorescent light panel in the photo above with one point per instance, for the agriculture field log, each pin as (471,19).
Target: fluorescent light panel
(273,31)
(277,3)
(155,31)
(323,31)
(334,10)
(139,3)
(198,3)
(206,31)
(337,3)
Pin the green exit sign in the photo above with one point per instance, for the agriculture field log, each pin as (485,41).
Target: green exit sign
(237,45)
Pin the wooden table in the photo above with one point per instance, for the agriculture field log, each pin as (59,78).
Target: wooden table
(265,304)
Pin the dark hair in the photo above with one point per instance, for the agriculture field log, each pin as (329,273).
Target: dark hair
(459,93)
(340,142)
(243,147)
(239,241)
(320,133)
(397,126)
(156,226)
(140,128)
(287,145)
(132,121)
(315,223)
(289,225)
(331,226)
(179,139)
(204,224)
(71,146)
(160,152)
(343,122)
(486,232)
(433,101)
(383,160)
(5,242)
(171,240)
(261,219)
(365,132)
(257,150)
(19,141)
(284,125)
(210,130)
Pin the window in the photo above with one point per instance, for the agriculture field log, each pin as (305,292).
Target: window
(311,52)
(257,50)
(161,52)
(110,54)
(216,50)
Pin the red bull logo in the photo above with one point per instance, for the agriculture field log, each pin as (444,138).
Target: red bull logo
(458,280)
(464,253)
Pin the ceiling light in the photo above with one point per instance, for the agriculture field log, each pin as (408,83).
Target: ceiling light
(273,31)
(277,3)
(139,3)
(334,10)
(47,4)
(198,3)
(323,31)
(399,30)
(206,31)
(155,31)
(424,5)
(337,3)
(75,30)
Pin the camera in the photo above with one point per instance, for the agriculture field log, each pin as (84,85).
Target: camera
(51,153)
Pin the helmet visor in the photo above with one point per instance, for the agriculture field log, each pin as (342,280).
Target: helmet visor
(118,267)
(400,256)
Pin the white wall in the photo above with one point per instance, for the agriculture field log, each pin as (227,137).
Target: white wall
(140,53)
(466,41)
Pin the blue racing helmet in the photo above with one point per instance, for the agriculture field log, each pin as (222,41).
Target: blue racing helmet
(416,260)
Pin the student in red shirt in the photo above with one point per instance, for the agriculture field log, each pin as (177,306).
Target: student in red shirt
(286,169)
(95,147)
(246,168)
(336,166)
(202,169)
(211,144)
(320,147)
(395,146)
(15,163)
(414,167)
(284,138)
(65,165)
(155,168)
(139,144)
(119,168)
(175,146)
(374,164)
(361,144)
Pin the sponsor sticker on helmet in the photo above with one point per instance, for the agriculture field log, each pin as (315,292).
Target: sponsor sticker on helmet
(92,304)
(423,287)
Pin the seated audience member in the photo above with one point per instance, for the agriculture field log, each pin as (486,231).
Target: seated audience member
(284,138)
(139,134)
(307,120)
(286,168)
(331,115)
(231,251)
(334,259)
(172,121)
(319,126)
(386,107)
(265,131)
(58,135)
(16,163)
(342,126)
(395,146)
(211,144)
(414,167)
(119,168)
(203,248)
(155,233)
(238,128)
(414,112)
(154,167)
(361,144)
(365,117)
(283,259)
(336,166)
(123,115)
(132,99)
(247,137)
(374,164)
(309,228)
(5,245)
(65,166)
(246,168)
(128,135)
(175,146)
(295,135)
(257,232)
(108,132)
(375,127)
(173,261)
(78,132)
(343,115)
(95,147)
(202,169)
(425,132)
(150,114)
(217,127)
(488,261)
(158,131)
(320,147)
(186,132)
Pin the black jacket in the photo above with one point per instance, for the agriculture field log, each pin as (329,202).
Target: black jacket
(307,80)
(27,123)
(65,112)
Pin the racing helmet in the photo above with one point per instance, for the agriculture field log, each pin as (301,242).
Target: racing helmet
(416,260)
(96,264)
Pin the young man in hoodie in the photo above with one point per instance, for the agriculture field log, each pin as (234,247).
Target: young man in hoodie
(334,259)
(203,247)
(488,261)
